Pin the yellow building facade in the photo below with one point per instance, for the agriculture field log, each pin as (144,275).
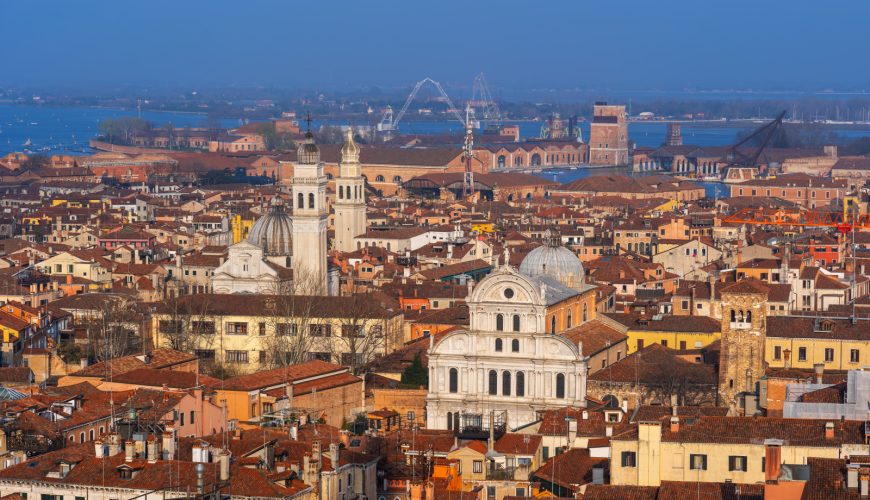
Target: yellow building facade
(646,459)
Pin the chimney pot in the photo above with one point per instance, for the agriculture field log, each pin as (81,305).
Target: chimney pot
(675,424)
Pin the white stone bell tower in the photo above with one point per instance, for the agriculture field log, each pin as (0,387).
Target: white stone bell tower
(350,201)
(309,220)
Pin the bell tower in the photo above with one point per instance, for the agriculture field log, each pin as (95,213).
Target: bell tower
(309,220)
(744,326)
(350,201)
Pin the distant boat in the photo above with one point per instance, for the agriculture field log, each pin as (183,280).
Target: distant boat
(28,142)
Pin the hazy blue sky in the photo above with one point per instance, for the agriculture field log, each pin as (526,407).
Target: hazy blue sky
(621,43)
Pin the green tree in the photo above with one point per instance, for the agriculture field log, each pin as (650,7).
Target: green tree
(416,375)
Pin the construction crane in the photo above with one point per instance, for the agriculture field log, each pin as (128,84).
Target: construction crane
(843,221)
(388,123)
(737,158)
(482,99)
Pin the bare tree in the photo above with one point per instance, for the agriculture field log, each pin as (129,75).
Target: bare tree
(186,323)
(113,327)
(366,331)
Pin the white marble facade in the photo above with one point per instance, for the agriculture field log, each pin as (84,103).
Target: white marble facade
(505,362)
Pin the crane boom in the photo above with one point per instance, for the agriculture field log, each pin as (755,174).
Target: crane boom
(413,94)
(806,218)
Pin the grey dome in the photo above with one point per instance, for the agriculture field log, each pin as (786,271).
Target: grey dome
(273,232)
(555,261)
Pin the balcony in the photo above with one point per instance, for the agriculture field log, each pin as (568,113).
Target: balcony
(503,473)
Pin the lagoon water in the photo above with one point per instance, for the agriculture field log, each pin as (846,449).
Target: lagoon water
(57,129)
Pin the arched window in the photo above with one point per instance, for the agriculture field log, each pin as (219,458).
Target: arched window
(585,312)
(499,322)
(749,316)
(454,380)
(560,385)
(516,322)
(301,201)
(521,384)
(397,179)
(493,383)
(379,178)
(733,315)
(310,200)
(536,159)
(515,345)
(340,192)
(505,383)
(498,345)
(553,325)
(501,161)
(449,421)
(569,319)
(456,420)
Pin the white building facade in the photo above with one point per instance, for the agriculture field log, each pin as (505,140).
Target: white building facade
(505,368)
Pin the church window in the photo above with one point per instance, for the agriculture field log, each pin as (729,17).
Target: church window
(516,322)
(521,384)
(585,312)
(515,345)
(310,200)
(498,345)
(499,322)
(569,319)
(506,383)
(560,385)
(553,325)
(449,421)
(493,383)
(340,192)
(508,293)
(379,178)
(300,201)
(454,380)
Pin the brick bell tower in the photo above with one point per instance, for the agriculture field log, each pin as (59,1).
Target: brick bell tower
(744,327)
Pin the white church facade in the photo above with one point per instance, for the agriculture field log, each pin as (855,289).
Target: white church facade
(506,367)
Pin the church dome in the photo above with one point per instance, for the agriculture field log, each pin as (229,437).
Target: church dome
(350,150)
(308,153)
(273,232)
(555,261)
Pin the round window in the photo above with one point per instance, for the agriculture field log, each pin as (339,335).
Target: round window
(508,293)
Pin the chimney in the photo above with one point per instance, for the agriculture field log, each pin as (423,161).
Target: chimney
(152,449)
(852,476)
(772,459)
(69,279)
(114,444)
(572,430)
(333,454)
(675,424)
(819,370)
(294,433)
(168,443)
(98,448)
(128,451)
(430,490)
(829,430)
(224,461)
(417,491)
(200,478)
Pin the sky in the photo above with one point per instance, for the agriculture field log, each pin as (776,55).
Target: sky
(630,44)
